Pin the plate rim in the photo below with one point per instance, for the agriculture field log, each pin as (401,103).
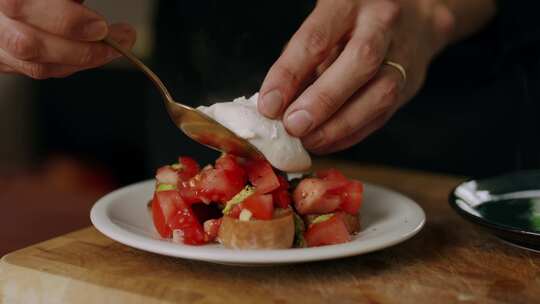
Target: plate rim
(107,227)
(452,198)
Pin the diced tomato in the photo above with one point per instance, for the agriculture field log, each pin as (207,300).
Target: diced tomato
(189,168)
(281,195)
(311,197)
(235,173)
(166,175)
(330,202)
(262,176)
(283,183)
(213,184)
(170,199)
(335,180)
(211,229)
(158,217)
(282,198)
(235,212)
(185,221)
(260,206)
(331,231)
(352,222)
(189,192)
(228,162)
(332,173)
(170,212)
(235,180)
(352,197)
(217,185)
(221,183)
(164,205)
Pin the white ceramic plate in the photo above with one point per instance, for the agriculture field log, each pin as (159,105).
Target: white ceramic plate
(387,218)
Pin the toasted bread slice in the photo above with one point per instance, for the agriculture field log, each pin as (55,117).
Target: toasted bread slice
(277,233)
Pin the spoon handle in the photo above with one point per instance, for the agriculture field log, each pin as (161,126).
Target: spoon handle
(141,66)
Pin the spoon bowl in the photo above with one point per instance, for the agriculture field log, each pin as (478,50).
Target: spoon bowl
(193,123)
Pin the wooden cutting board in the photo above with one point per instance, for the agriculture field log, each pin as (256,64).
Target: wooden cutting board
(450,261)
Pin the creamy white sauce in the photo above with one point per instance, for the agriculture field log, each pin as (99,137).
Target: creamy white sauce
(241,116)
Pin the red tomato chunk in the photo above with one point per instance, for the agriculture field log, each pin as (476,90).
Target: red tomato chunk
(281,196)
(211,229)
(262,176)
(188,168)
(185,221)
(352,197)
(329,232)
(260,206)
(329,193)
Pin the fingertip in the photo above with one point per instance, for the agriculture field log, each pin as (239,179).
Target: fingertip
(131,35)
(124,34)
(95,30)
(298,123)
(270,104)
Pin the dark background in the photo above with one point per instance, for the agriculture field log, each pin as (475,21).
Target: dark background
(477,114)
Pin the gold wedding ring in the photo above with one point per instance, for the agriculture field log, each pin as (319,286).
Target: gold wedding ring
(398,67)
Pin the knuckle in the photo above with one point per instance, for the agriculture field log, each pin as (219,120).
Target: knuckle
(88,56)
(326,103)
(36,71)
(63,24)
(12,8)
(347,125)
(285,73)
(317,43)
(390,90)
(318,139)
(370,54)
(389,13)
(367,52)
(21,46)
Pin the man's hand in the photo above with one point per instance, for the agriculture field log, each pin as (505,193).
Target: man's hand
(331,86)
(55,38)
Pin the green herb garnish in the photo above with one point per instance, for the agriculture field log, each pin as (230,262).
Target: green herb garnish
(238,198)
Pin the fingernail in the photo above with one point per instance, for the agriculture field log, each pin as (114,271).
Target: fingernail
(271,103)
(95,30)
(299,122)
(313,140)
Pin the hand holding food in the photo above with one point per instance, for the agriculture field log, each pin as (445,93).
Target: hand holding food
(55,38)
(283,151)
(351,66)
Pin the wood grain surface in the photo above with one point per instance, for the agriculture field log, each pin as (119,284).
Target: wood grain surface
(449,261)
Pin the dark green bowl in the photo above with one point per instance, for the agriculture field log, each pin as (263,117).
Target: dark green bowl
(507,206)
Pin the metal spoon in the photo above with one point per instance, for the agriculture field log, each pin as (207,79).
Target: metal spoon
(195,124)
